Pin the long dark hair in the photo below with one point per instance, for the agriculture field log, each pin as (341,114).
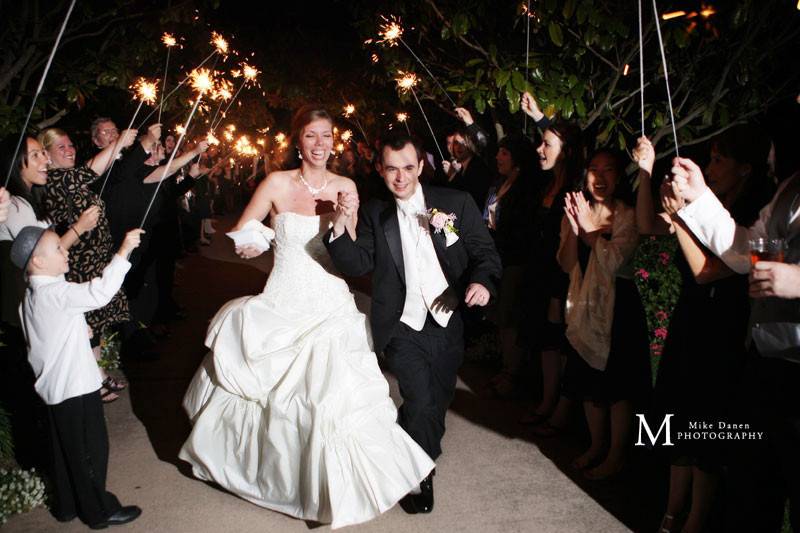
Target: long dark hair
(622,189)
(16,186)
(302,118)
(572,148)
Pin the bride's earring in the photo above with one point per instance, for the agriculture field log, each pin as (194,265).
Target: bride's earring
(299,154)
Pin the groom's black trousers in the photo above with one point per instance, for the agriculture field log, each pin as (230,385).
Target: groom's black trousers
(426,364)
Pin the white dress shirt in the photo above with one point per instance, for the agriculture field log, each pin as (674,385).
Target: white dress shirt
(426,283)
(58,337)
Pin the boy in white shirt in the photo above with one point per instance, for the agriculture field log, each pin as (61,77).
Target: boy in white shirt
(67,376)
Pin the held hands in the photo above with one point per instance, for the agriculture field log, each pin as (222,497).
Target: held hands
(768,278)
(5,203)
(346,208)
(450,167)
(201,147)
(465,116)
(689,178)
(477,294)
(671,198)
(132,240)
(88,219)
(126,138)
(645,155)
(530,107)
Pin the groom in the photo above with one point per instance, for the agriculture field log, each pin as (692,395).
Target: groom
(420,276)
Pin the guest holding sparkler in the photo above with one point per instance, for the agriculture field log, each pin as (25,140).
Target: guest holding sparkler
(467,171)
(67,194)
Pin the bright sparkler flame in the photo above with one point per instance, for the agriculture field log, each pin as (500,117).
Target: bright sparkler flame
(228,136)
(222,91)
(280,137)
(179,129)
(211,140)
(145,90)
(231,127)
(219,43)
(673,15)
(406,81)
(168,40)
(249,72)
(391,31)
(243,147)
(346,135)
(349,109)
(340,147)
(261,142)
(202,80)
(402,117)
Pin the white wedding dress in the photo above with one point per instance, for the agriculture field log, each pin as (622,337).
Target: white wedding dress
(290,409)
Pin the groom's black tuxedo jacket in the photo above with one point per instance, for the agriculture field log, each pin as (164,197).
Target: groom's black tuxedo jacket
(377,249)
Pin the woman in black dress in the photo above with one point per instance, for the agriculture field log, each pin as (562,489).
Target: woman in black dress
(705,350)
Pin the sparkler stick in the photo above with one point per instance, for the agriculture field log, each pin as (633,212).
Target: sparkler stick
(403,117)
(641,66)
(527,56)
(666,77)
(202,82)
(406,83)
(169,41)
(38,91)
(146,92)
(393,32)
(220,47)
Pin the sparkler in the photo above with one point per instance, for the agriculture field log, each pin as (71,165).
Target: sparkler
(146,93)
(406,82)
(250,75)
(666,78)
(211,140)
(527,57)
(403,117)
(179,129)
(220,47)
(202,81)
(392,33)
(346,135)
(349,111)
(169,41)
(39,90)
(641,66)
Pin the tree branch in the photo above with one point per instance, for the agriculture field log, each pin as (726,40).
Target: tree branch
(600,56)
(46,123)
(472,44)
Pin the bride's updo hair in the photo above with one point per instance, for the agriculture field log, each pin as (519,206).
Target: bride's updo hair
(302,118)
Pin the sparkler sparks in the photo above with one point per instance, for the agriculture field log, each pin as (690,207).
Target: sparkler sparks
(626,69)
(202,80)
(391,31)
(249,72)
(406,81)
(219,43)
(280,138)
(169,40)
(211,140)
(179,129)
(340,148)
(145,90)
(349,109)
(228,136)
(402,117)
(346,135)
(673,15)
(222,91)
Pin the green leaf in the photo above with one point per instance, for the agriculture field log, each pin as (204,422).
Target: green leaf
(480,104)
(512,96)
(569,8)
(555,34)
(580,108)
(445,33)
(621,140)
(460,24)
(518,81)
(474,61)
(501,78)
(572,81)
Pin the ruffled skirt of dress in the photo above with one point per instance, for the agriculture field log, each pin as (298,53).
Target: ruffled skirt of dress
(291,412)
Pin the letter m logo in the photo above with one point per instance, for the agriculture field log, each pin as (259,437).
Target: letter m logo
(654,438)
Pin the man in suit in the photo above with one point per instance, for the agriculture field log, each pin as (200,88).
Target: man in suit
(420,275)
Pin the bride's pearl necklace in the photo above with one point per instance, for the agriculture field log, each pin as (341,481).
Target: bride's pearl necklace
(314,191)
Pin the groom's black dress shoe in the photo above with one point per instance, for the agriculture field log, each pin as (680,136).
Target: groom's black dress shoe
(422,502)
(127,514)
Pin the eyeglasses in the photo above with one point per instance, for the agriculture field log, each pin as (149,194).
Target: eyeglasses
(108,131)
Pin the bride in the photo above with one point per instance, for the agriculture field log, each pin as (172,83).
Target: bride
(289,408)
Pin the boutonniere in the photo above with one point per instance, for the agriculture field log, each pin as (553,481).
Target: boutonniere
(443,222)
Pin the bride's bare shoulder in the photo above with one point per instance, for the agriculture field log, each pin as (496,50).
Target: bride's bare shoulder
(342,183)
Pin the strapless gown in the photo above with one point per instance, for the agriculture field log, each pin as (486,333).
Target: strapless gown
(289,409)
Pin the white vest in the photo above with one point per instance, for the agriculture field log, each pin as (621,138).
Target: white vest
(427,289)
